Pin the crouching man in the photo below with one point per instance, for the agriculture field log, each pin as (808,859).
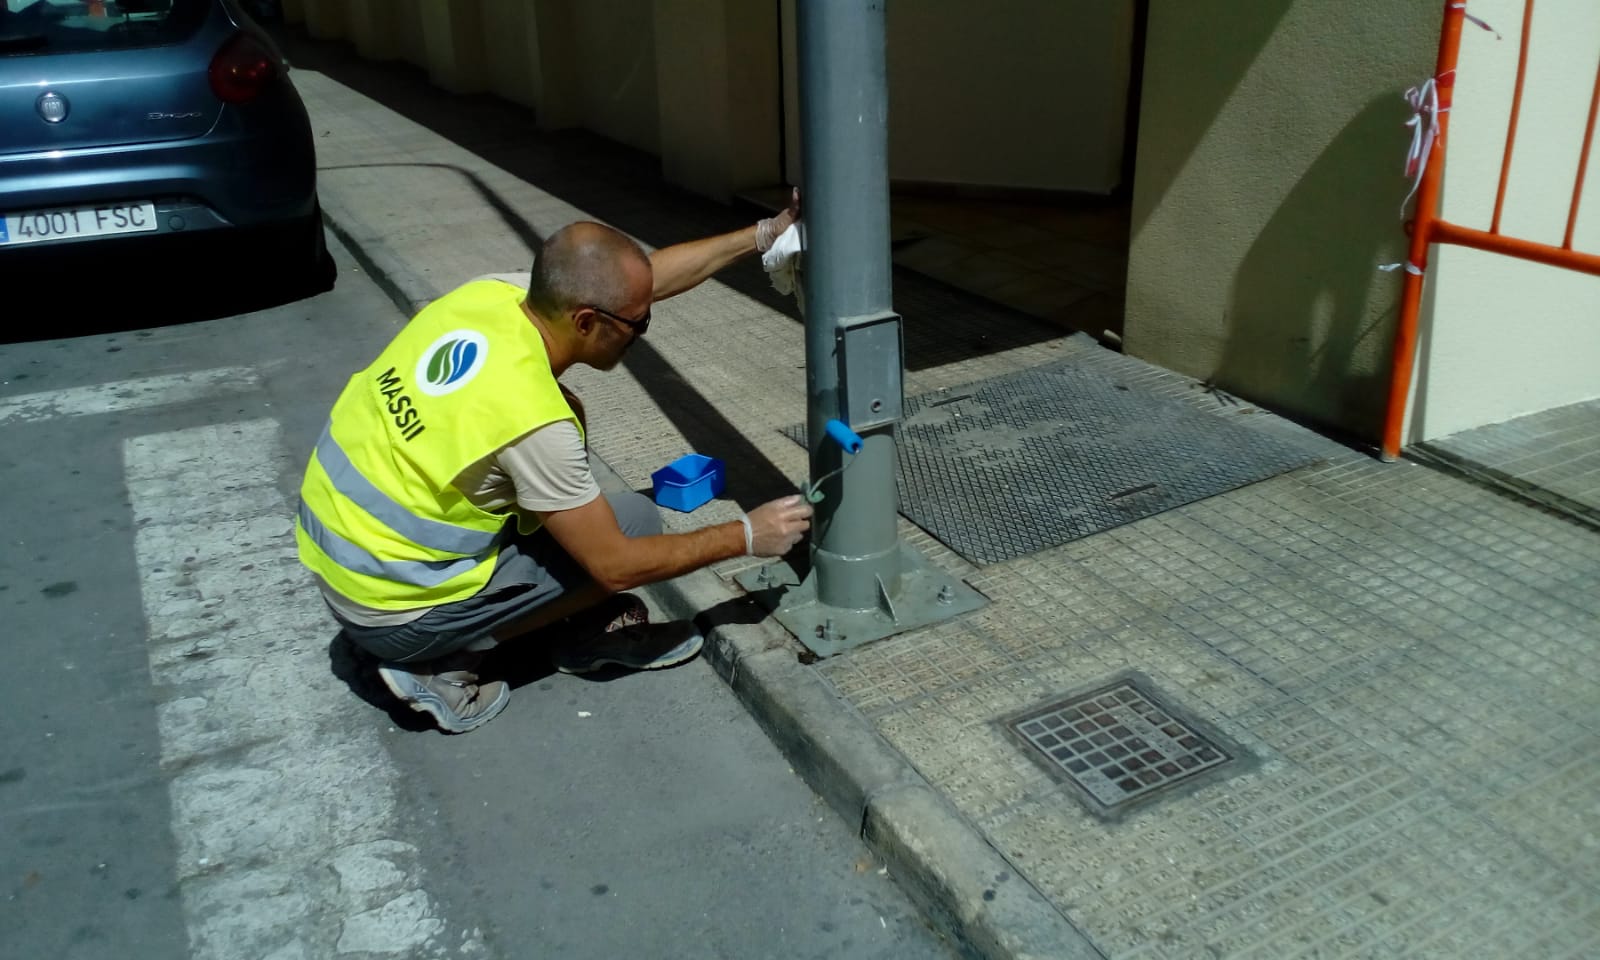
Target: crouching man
(449,506)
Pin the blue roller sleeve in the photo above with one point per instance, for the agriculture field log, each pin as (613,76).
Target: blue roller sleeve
(844,436)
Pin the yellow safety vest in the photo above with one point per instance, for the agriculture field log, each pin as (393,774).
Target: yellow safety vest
(380,520)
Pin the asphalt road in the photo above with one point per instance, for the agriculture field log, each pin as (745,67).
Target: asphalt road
(191,764)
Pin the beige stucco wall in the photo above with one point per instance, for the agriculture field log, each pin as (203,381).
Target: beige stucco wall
(613,47)
(373,27)
(324,19)
(1267,191)
(1017,93)
(387,29)
(510,46)
(717,83)
(457,56)
(412,43)
(1505,337)
(790,81)
(1014,93)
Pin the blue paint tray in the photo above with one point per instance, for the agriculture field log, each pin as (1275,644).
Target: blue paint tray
(689,482)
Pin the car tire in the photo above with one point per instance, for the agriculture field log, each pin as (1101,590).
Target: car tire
(299,256)
(321,271)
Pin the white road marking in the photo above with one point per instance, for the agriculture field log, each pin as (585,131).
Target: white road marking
(284,809)
(128,394)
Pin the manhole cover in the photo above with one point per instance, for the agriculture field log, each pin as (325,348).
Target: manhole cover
(1120,745)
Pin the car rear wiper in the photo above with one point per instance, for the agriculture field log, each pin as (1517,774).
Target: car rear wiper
(34,41)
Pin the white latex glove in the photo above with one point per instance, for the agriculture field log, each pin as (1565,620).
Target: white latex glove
(772,529)
(769,230)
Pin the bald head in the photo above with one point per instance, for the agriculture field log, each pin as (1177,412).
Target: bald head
(587,263)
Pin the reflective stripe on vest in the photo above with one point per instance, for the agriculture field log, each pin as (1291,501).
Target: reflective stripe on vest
(418,573)
(423,531)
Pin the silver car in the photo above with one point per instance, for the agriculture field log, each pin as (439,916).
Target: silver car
(126,122)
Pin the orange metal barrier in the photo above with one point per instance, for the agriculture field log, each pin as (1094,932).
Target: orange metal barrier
(1426,228)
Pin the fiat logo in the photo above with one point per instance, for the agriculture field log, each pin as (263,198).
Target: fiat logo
(53,107)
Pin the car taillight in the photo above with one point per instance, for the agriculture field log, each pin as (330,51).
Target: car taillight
(242,69)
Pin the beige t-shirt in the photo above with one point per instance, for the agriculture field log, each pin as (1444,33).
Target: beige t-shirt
(544,471)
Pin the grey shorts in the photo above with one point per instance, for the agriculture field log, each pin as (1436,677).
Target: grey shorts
(530,572)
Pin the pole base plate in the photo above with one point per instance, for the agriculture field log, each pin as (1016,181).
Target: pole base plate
(926,596)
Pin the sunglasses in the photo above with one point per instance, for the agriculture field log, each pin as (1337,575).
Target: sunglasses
(638,326)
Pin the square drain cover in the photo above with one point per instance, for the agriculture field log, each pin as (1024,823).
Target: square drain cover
(1120,745)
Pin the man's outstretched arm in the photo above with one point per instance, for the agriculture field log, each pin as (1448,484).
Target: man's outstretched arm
(616,562)
(683,266)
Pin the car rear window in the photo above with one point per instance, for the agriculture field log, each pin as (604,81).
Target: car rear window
(29,27)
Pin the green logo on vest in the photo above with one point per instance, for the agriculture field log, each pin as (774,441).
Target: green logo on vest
(451,361)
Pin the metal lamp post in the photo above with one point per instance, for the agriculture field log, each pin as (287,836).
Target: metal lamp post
(864,584)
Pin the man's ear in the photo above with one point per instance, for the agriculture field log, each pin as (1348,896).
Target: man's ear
(583,321)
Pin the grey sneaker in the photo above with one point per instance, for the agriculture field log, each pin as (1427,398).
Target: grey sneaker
(640,646)
(455,698)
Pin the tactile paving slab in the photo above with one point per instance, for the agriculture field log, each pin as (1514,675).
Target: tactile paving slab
(1030,460)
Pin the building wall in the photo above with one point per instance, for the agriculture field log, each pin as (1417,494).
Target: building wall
(1505,337)
(1014,93)
(613,46)
(324,19)
(790,78)
(457,51)
(1267,191)
(509,45)
(717,82)
(413,44)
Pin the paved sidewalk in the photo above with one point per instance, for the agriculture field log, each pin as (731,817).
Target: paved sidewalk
(1407,660)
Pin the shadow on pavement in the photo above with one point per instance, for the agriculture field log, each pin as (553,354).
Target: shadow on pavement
(109,288)
(359,671)
(744,611)
(749,471)
(521,661)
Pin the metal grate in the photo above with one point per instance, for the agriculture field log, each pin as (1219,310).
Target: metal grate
(1118,744)
(1034,459)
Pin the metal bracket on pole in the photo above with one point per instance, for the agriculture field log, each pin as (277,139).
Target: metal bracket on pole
(871,356)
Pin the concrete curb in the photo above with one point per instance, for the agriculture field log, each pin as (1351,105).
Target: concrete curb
(963,886)
(393,276)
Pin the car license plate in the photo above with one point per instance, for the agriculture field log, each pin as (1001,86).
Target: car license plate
(38,226)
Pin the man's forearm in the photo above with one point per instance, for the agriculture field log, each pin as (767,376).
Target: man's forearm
(654,559)
(684,265)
